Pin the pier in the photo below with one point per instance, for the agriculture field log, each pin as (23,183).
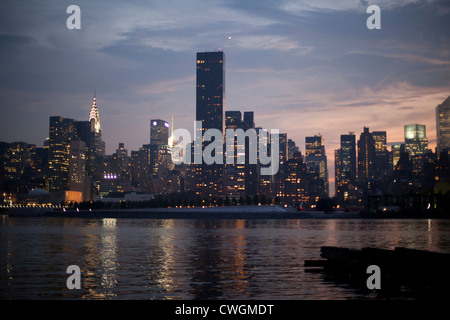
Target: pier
(405,272)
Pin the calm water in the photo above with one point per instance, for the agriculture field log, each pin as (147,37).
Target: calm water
(191,259)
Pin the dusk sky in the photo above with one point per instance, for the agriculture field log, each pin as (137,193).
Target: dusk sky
(303,67)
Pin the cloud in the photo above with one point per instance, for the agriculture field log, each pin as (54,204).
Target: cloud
(164,87)
(304,6)
(302,66)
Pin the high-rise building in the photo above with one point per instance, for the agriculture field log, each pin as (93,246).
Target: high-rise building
(210,111)
(366,157)
(292,148)
(416,141)
(233,119)
(235,172)
(443,126)
(94,118)
(61,132)
(210,108)
(316,162)
(416,144)
(159,132)
(396,150)
(249,119)
(293,186)
(159,154)
(140,169)
(240,178)
(283,145)
(381,154)
(123,163)
(345,169)
(78,181)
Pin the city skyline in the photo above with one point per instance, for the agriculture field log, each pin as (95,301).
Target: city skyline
(305,68)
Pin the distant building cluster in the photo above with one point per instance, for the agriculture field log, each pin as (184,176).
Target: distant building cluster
(369,175)
(73,167)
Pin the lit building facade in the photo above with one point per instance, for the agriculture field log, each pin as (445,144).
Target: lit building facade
(61,132)
(345,170)
(416,141)
(316,162)
(240,178)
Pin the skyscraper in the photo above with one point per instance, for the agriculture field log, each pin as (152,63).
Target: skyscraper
(345,169)
(240,178)
(61,132)
(159,132)
(293,182)
(283,145)
(77,169)
(210,111)
(381,153)
(159,153)
(443,125)
(210,108)
(316,162)
(235,172)
(366,157)
(416,141)
(94,118)
(249,119)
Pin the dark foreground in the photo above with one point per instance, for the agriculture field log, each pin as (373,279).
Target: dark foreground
(402,272)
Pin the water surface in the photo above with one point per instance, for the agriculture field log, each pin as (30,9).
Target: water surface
(191,259)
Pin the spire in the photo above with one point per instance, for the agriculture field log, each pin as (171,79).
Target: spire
(94,115)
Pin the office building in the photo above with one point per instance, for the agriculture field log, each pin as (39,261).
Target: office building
(416,141)
(316,163)
(345,170)
(61,132)
(443,126)
(381,161)
(210,111)
(366,158)
(159,132)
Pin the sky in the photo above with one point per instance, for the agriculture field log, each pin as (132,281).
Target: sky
(304,67)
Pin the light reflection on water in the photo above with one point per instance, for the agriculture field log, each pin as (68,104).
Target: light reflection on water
(191,259)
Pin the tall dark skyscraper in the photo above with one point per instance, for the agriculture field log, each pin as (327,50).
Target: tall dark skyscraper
(345,168)
(210,110)
(366,157)
(443,125)
(249,119)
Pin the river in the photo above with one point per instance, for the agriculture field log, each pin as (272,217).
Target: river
(192,258)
